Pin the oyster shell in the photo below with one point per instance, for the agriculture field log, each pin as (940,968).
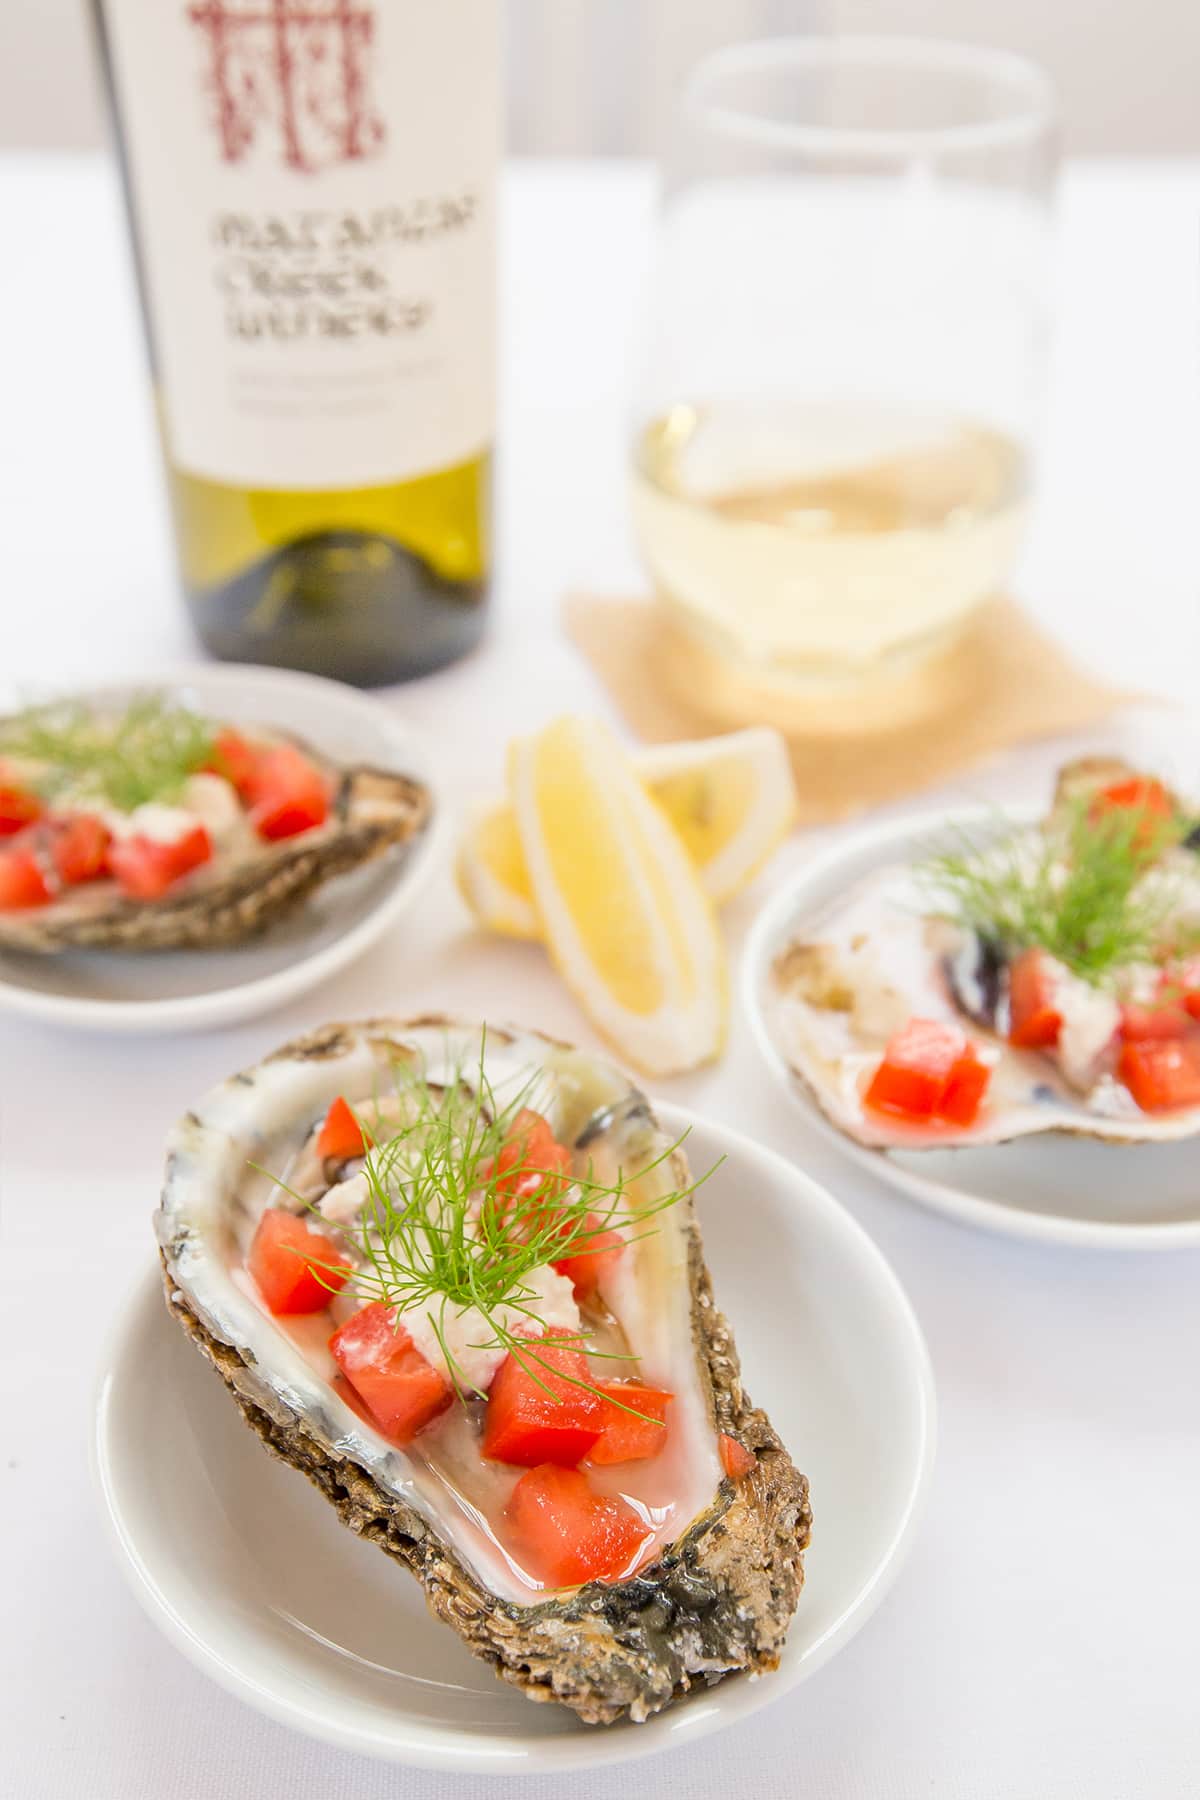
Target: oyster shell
(872,958)
(243,891)
(726,1569)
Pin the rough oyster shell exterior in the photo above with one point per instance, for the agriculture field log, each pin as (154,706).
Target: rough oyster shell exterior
(231,902)
(715,1602)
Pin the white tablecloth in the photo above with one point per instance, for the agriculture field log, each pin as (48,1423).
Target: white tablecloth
(1044,1641)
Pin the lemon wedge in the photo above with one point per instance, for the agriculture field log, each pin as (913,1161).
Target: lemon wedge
(620,906)
(491,873)
(732,800)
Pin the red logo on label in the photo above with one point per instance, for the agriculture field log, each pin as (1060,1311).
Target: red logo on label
(300,68)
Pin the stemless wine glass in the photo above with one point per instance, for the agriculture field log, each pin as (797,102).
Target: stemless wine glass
(845,351)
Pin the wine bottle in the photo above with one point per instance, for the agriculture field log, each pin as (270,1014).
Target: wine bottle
(311,191)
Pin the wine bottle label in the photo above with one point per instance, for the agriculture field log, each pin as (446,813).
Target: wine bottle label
(313,186)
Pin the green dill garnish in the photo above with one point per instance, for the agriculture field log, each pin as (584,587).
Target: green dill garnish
(446,1229)
(144,752)
(1088,888)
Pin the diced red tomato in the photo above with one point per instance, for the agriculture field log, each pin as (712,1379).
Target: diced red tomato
(234,757)
(624,1437)
(401,1390)
(736,1460)
(530,1169)
(288,793)
(963,1095)
(929,1071)
(531,1160)
(22,883)
(1035,1022)
(145,868)
(593,1254)
(1183,983)
(566,1534)
(290,1263)
(1153,1023)
(527,1424)
(79,848)
(1162,1076)
(1145,799)
(18,808)
(341,1136)
(1139,793)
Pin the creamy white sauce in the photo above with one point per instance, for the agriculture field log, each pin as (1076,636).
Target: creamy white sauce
(1090,1019)
(213,802)
(343,1202)
(153,820)
(469,1337)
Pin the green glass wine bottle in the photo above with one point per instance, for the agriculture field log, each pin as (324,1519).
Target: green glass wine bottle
(311,186)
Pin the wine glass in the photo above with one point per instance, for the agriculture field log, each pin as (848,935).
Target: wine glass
(843,362)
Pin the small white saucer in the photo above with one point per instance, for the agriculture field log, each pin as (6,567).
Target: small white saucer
(1050,1187)
(189,990)
(246,1569)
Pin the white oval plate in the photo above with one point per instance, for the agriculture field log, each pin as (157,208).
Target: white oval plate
(249,1573)
(1054,1188)
(190,990)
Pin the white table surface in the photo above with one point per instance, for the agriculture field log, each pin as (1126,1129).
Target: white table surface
(1044,1641)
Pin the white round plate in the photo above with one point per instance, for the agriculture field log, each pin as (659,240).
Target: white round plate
(250,1574)
(1054,1188)
(190,990)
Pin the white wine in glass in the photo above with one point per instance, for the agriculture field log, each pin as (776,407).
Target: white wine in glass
(832,445)
(817,539)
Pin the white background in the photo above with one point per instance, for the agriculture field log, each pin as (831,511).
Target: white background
(1044,1641)
(593,75)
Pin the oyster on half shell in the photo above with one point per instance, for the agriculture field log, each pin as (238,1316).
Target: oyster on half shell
(720,1573)
(248,885)
(879,954)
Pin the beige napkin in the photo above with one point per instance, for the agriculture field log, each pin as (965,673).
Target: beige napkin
(1003,682)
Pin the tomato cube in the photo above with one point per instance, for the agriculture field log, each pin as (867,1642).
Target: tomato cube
(1152,1023)
(79,848)
(625,1437)
(297,1270)
(1146,802)
(530,1160)
(565,1534)
(1182,984)
(145,869)
(234,757)
(1163,1076)
(402,1391)
(593,1254)
(341,1136)
(1035,1022)
(19,807)
(736,1460)
(22,883)
(289,794)
(964,1091)
(929,1071)
(536,1410)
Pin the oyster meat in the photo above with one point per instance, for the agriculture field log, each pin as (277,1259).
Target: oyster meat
(889,951)
(243,880)
(705,1569)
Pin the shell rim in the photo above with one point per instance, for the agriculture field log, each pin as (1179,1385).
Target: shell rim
(441,1748)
